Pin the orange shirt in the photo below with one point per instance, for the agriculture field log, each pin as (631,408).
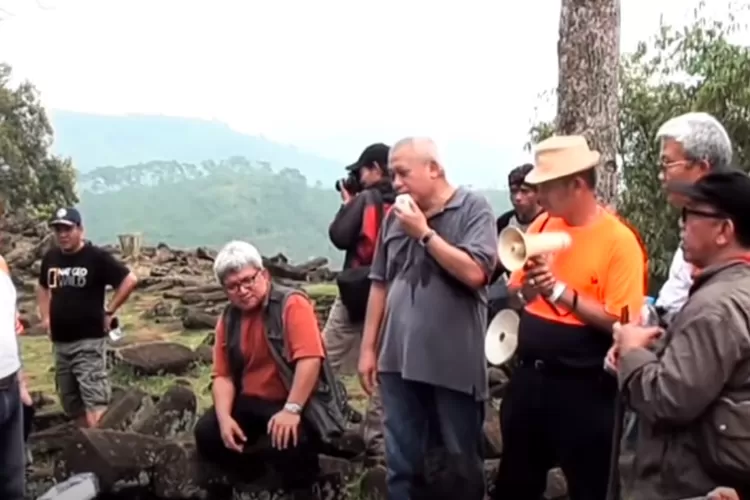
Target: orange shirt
(261,378)
(604,263)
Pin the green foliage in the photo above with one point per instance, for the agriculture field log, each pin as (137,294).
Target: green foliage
(30,177)
(694,68)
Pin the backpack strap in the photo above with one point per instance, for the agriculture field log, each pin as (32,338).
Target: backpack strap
(232,324)
(325,409)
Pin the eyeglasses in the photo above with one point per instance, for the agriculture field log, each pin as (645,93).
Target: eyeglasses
(666,166)
(701,213)
(245,283)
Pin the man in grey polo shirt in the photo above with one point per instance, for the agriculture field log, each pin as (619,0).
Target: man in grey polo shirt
(427,311)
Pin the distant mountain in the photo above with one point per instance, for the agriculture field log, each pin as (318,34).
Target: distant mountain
(210,203)
(106,140)
(101,140)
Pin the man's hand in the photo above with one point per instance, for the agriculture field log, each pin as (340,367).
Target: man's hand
(538,278)
(107,321)
(346,196)
(612,359)
(19,325)
(367,368)
(632,336)
(413,220)
(23,387)
(723,493)
(283,427)
(45,325)
(231,434)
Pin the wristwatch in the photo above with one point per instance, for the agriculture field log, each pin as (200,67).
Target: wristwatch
(424,240)
(293,408)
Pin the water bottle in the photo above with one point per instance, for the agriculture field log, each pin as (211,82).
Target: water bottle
(115,332)
(83,486)
(649,315)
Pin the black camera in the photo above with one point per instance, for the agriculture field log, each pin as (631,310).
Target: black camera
(350,183)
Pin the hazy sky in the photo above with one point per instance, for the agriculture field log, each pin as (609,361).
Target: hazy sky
(323,75)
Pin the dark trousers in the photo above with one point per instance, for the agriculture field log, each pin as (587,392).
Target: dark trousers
(433,441)
(555,418)
(297,467)
(12,448)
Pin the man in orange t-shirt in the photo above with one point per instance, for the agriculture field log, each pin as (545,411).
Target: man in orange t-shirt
(254,415)
(559,405)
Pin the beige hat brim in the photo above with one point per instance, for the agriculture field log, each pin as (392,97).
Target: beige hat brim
(540,177)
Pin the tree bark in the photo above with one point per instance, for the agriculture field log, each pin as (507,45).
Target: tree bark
(588,81)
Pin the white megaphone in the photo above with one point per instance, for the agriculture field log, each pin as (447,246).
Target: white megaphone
(502,337)
(514,247)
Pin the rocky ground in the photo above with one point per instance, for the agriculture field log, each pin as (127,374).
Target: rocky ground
(161,369)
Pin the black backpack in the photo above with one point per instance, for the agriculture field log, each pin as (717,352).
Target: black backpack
(354,283)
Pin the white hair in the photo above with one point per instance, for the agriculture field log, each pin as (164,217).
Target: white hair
(235,256)
(422,146)
(701,136)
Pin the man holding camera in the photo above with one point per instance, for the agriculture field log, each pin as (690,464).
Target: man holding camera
(366,195)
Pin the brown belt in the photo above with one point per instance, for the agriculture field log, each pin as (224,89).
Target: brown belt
(7,382)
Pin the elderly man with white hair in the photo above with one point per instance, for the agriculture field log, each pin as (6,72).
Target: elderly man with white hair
(272,402)
(427,311)
(692,145)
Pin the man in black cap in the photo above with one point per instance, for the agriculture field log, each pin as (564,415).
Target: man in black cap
(525,210)
(692,397)
(355,230)
(70,295)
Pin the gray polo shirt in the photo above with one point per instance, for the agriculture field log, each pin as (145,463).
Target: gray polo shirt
(434,325)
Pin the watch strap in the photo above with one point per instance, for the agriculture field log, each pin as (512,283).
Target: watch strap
(424,240)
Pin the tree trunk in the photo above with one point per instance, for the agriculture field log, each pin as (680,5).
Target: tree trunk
(588,81)
(130,244)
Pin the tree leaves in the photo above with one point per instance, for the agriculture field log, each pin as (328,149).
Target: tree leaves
(691,68)
(30,177)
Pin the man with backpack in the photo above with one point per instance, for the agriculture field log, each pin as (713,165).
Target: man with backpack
(692,395)
(355,229)
(276,401)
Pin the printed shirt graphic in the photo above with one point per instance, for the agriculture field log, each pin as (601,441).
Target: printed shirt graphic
(77,283)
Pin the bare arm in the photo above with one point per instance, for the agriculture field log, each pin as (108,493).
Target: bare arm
(623,286)
(589,311)
(472,260)
(457,262)
(306,373)
(42,301)
(374,317)
(223,392)
(122,292)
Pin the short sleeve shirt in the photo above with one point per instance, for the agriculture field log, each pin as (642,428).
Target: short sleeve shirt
(434,325)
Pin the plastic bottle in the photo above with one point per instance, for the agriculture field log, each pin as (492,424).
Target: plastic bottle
(84,486)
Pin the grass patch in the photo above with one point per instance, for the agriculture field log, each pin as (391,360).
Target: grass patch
(321,290)
(39,362)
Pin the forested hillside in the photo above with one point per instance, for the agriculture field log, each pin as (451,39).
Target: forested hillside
(101,140)
(212,202)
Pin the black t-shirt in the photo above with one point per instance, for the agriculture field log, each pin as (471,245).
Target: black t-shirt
(77,283)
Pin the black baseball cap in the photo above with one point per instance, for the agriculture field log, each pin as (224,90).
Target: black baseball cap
(727,192)
(517,175)
(374,153)
(67,217)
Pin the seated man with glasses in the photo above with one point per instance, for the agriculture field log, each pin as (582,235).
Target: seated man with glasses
(268,379)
